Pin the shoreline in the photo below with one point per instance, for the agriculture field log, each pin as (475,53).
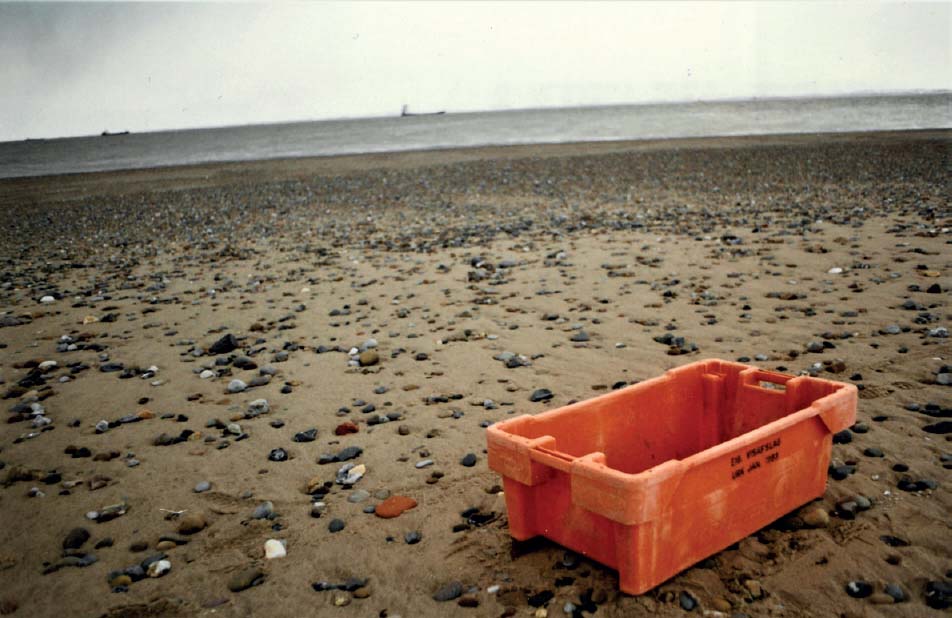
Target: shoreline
(225,173)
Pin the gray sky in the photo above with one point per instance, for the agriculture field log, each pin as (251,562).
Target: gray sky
(77,68)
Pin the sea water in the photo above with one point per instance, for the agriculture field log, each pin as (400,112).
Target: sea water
(542,126)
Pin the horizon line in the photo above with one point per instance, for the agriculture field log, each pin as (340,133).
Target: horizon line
(821,96)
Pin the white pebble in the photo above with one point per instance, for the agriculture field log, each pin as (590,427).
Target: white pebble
(208,373)
(159,568)
(259,406)
(836,270)
(274,548)
(47,300)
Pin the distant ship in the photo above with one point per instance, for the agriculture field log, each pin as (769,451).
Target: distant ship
(110,133)
(404,112)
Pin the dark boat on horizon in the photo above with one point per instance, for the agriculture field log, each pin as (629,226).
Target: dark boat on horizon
(111,133)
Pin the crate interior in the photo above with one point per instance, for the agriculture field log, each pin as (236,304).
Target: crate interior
(673,417)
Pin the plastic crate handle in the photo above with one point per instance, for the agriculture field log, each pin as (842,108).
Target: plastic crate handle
(753,377)
(550,458)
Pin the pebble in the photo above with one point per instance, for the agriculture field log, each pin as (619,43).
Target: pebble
(541,394)
(540,598)
(245,579)
(847,509)
(896,592)
(412,538)
(687,601)
(236,386)
(938,594)
(226,344)
(274,548)
(394,506)
(159,568)
(265,510)
(350,473)
(357,496)
(345,428)
(341,598)
(859,589)
(469,460)
(308,435)
(336,525)
(450,591)
(816,518)
(76,538)
(202,486)
(278,454)
(258,407)
(368,358)
(193,522)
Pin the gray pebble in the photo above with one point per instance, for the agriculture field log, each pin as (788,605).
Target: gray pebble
(449,592)
(263,511)
(357,496)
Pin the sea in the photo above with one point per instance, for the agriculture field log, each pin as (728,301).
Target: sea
(43,157)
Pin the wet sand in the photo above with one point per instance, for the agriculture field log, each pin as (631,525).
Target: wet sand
(446,260)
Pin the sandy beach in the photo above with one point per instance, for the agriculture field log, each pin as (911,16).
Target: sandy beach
(189,344)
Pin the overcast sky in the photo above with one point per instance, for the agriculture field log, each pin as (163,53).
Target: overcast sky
(75,69)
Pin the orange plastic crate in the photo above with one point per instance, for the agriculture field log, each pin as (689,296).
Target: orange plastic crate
(654,477)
